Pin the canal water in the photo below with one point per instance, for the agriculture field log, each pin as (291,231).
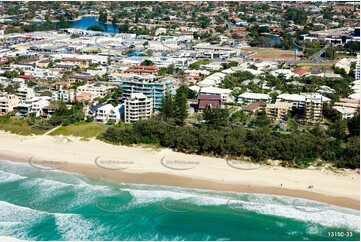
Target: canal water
(86,22)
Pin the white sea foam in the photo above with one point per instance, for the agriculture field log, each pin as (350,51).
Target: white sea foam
(75,227)
(311,212)
(14,213)
(17,220)
(6,177)
(302,210)
(9,238)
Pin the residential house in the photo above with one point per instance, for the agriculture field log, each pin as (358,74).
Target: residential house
(225,93)
(142,70)
(298,101)
(254,107)
(32,106)
(108,113)
(212,101)
(253,97)
(49,110)
(97,88)
(345,111)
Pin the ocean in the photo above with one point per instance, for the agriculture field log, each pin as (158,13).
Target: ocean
(44,204)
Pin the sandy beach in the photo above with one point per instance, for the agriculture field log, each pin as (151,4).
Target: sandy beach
(166,167)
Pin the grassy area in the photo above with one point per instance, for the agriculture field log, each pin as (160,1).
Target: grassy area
(81,129)
(343,55)
(18,125)
(271,52)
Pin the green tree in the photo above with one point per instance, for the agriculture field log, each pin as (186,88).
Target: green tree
(167,106)
(123,28)
(103,17)
(62,24)
(353,125)
(114,20)
(147,63)
(330,113)
(181,112)
(338,130)
(12,88)
(46,93)
(351,154)
(352,46)
(261,120)
(95,28)
(298,16)
(217,117)
(10,74)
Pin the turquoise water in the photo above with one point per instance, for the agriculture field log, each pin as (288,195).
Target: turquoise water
(38,204)
(273,38)
(277,40)
(86,22)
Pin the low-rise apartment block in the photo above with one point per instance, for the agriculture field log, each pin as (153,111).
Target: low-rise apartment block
(63,95)
(298,101)
(97,88)
(8,102)
(253,97)
(277,111)
(25,93)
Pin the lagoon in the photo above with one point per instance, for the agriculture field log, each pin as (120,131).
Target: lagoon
(86,22)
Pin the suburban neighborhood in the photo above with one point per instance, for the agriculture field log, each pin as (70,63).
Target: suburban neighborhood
(288,66)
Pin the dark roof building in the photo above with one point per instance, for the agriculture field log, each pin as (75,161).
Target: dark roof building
(213,101)
(253,107)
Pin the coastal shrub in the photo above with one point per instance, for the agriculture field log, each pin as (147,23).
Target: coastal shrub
(4,119)
(351,154)
(261,144)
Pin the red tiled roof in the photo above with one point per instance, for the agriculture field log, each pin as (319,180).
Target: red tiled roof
(204,103)
(209,97)
(300,71)
(209,100)
(254,106)
(146,67)
(139,70)
(72,59)
(25,76)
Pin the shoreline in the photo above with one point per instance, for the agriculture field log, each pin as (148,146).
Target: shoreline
(210,173)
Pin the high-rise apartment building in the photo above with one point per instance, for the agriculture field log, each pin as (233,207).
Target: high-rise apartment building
(152,87)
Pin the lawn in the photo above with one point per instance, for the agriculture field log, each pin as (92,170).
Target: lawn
(81,129)
(18,125)
(271,52)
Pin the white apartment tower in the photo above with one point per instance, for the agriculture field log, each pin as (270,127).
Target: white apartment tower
(313,108)
(137,107)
